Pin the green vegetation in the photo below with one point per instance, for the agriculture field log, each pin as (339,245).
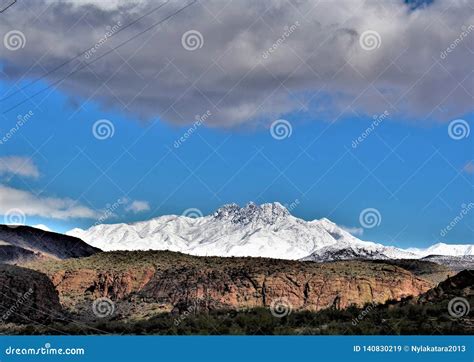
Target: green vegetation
(156,310)
(379,320)
(125,260)
(422,268)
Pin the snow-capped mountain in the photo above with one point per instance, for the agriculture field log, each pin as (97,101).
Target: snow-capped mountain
(444,249)
(266,230)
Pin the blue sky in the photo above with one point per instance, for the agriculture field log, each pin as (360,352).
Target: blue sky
(321,78)
(412,174)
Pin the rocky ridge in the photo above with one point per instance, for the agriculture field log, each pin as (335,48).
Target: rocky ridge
(27,296)
(19,244)
(154,281)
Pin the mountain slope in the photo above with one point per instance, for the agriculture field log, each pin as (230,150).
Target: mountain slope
(444,249)
(27,296)
(266,230)
(459,285)
(23,243)
(455,263)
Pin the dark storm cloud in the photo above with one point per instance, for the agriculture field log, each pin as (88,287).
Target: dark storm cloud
(257,60)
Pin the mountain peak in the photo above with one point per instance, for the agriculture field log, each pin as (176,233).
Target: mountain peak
(267,213)
(266,230)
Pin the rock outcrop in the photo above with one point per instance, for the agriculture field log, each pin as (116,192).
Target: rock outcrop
(27,296)
(166,281)
(459,285)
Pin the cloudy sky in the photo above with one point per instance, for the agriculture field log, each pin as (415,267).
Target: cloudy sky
(126,110)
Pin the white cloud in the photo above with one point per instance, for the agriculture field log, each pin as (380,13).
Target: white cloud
(20,166)
(138,206)
(49,207)
(105,5)
(356,231)
(42,227)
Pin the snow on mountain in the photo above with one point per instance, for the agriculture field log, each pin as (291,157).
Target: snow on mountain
(444,249)
(266,230)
